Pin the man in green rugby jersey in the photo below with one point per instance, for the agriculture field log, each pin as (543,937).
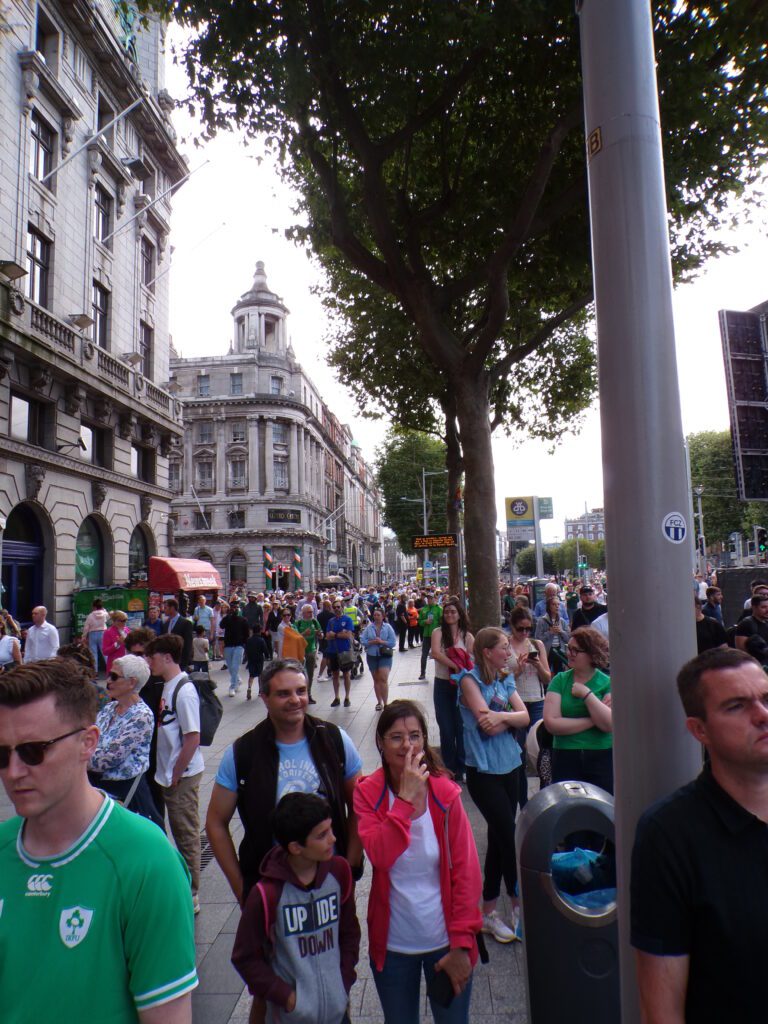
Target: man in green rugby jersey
(95,908)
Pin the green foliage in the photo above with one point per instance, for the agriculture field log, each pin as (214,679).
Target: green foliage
(593,551)
(526,561)
(399,462)
(712,468)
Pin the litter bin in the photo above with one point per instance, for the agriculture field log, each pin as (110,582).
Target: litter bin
(570,938)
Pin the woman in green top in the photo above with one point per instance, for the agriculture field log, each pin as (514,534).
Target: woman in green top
(312,631)
(577,711)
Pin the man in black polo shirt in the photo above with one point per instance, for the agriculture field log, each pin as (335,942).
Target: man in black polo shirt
(699,878)
(590,609)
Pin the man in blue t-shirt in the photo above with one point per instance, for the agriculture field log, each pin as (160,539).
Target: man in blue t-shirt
(339,634)
(284,691)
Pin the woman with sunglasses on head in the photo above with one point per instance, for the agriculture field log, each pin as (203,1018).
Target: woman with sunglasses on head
(490,709)
(125,725)
(528,664)
(113,640)
(423,908)
(451,635)
(577,711)
(378,638)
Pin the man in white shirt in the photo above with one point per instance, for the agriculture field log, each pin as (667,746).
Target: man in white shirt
(179,759)
(42,637)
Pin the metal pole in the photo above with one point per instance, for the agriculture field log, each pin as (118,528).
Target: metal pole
(424,500)
(642,437)
(90,139)
(537,538)
(701,543)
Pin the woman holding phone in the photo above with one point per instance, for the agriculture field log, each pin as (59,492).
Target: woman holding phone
(423,909)
(528,663)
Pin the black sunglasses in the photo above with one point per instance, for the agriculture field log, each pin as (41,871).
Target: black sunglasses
(33,752)
(114,676)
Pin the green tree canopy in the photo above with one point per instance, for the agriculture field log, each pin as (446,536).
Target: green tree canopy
(399,463)
(438,151)
(712,468)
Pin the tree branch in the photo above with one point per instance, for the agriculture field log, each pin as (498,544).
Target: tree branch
(502,366)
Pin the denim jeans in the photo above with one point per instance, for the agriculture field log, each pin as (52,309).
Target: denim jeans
(95,638)
(450,725)
(398,989)
(233,656)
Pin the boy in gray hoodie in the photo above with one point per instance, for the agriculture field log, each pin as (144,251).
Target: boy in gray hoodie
(298,940)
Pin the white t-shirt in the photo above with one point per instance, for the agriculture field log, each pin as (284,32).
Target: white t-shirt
(7,644)
(170,728)
(416,918)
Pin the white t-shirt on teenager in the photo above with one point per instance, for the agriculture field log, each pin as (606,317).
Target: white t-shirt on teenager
(416,918)
(171,728)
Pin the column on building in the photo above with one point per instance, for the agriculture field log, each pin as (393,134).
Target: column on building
(221,454)
(269,457)
(301,456)
(293,464)
(189,478)
(253,455)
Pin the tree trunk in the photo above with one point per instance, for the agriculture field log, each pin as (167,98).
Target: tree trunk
(470,393)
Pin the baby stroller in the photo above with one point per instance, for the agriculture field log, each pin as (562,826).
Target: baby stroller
(358,666)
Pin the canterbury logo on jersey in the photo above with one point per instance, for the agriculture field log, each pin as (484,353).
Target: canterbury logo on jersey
(39,885)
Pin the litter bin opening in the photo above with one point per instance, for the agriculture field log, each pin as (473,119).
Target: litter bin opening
(583,875)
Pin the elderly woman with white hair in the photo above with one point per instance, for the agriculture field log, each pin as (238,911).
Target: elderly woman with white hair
(125,728)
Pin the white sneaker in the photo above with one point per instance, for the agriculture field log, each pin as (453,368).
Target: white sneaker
(493,925)
(231,692)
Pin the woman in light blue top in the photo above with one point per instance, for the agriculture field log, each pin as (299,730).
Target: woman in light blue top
(376,636)
(490,708)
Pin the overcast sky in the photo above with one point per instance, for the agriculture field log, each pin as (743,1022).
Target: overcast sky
(234,210)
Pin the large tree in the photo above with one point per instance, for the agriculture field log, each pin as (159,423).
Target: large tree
(438,151)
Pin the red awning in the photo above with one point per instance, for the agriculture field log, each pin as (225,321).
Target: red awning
(171,574)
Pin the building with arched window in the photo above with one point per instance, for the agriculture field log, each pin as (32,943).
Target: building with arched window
(87,153)
(269,481)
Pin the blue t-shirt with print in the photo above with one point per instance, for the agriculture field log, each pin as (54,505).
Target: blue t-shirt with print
(296,772)
(337,625)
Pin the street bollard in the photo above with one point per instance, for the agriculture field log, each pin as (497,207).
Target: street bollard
(570,946)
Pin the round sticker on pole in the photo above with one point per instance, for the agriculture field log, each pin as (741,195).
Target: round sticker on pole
(673,525)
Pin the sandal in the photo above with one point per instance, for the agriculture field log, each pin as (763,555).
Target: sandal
(378,707)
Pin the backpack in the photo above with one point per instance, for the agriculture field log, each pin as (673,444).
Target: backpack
(211,709)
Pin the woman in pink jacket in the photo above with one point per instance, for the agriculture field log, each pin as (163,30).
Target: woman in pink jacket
(423,911)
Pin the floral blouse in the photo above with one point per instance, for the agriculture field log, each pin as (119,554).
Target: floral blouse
(123,749)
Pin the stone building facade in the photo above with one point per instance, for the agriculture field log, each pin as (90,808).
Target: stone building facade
(589,526)
(397,565)
(271,487)
(86,424)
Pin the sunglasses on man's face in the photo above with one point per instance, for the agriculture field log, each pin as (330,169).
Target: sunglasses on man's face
(32,753)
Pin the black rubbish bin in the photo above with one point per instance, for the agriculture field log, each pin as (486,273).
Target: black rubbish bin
(570,938)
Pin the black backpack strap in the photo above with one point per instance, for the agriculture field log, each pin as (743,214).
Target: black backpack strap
(179,685)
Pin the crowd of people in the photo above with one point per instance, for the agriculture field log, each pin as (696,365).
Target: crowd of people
(537,681)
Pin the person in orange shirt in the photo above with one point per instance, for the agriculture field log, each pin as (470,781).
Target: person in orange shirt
(413,622)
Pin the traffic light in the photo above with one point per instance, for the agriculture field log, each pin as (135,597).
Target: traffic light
(762,539)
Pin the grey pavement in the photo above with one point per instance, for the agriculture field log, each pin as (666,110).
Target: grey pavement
(498,992)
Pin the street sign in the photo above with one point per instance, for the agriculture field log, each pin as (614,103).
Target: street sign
(435,540)
(519,511)
(545,509)
(518,533)
(427,564)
